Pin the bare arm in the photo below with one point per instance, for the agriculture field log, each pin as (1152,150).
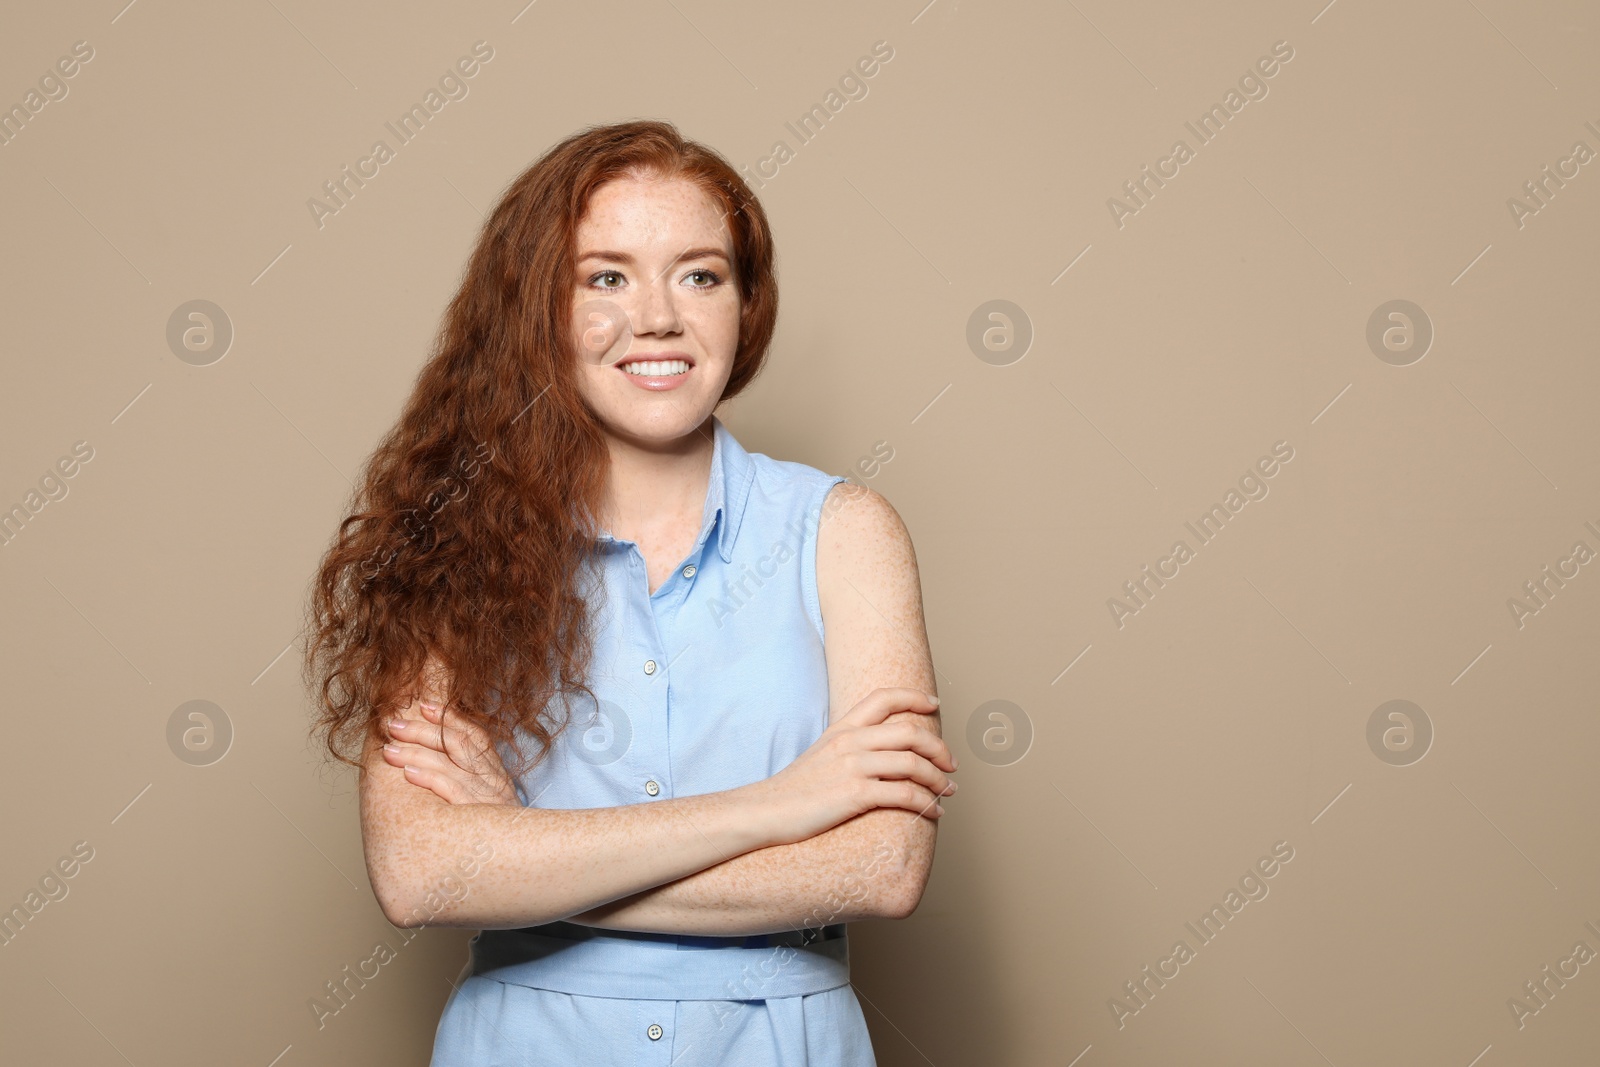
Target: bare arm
(875,865)
(490,866)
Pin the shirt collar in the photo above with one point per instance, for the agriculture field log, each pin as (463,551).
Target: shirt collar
(727,491)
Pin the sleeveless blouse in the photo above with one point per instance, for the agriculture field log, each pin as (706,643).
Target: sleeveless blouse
(714,681)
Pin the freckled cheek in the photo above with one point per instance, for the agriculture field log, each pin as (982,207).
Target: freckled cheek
(719,329)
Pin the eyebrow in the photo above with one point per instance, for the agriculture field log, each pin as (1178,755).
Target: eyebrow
(623,257)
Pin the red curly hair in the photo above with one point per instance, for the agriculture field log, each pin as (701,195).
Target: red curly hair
(474,520)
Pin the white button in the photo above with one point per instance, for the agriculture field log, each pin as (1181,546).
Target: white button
(649,666)
(652,788)
(688,572)
(654,1032)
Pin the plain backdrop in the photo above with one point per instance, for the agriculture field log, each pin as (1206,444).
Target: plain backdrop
(1123,770)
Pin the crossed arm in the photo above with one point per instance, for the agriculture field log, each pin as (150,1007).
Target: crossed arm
(875,865)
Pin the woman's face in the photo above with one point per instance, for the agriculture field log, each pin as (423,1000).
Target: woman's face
(655,286)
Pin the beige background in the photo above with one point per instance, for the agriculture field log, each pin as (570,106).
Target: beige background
(1228,314)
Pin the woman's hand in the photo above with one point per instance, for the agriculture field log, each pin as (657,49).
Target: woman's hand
(860,763)
(456,759)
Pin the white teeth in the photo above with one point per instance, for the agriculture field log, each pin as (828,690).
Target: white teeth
(656,368)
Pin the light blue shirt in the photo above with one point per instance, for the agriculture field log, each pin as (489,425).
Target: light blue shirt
(714,681)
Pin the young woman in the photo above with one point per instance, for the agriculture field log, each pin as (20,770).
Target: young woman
(653,713)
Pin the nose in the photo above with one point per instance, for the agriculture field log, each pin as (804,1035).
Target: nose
(658,307)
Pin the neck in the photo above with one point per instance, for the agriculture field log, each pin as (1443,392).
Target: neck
(652,483)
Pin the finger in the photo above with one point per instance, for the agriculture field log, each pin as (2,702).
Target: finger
(470,745)
(441,785)
(404,755)
(908,765)
(908,795)
(910,737)
(492,785)
(461,755)
(438,773)
(882,703)
(416,731)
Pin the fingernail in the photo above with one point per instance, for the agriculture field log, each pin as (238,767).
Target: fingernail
(954,787)
(431,705)
(938,809)
(393,750)
(933,700)
(398,724)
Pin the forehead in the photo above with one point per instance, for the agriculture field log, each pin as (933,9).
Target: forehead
(651,214)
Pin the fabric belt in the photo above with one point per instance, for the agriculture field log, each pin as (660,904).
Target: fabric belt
(589,961)
(793,938)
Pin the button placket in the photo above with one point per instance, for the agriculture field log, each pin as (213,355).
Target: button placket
(656,612)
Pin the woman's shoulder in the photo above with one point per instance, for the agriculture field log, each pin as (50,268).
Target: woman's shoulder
(853,513)
(790,481)
(831,501)
(828,501)
(774,473)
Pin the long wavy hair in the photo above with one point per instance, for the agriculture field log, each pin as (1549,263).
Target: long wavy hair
(474,521)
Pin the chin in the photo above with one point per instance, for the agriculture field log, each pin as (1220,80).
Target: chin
(670,421)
